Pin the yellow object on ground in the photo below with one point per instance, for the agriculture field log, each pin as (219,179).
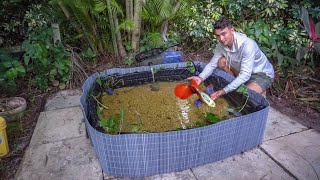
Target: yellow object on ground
(4,148)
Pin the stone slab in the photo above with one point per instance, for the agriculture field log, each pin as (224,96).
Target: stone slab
(182,175)
(299,153)
(253,164)
(63,99)
(279,125)
(67,159)
(58,125)
(185,175)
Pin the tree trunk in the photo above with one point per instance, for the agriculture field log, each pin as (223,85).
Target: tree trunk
(121,48)
(76,26)
(137,25)
(56,33)
(129,15)
(64,9)
(165,24)
(164,29)
(112,27)
(176,7)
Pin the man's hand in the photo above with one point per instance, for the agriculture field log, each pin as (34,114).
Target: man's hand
(196,78)
(217,94)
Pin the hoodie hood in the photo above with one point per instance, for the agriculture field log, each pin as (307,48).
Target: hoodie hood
(239,39)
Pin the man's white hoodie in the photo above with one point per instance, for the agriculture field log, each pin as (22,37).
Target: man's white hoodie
(245,57)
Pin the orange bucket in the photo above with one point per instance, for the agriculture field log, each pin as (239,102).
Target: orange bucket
(183,91)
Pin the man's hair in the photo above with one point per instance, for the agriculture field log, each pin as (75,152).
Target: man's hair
(222,23)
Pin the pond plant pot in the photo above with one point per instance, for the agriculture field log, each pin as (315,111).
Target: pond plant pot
(146,154)
(12,108)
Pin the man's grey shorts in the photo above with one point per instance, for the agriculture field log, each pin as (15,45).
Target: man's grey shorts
(262,80)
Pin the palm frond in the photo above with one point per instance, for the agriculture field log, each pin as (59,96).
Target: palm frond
(127,24)
(154,39)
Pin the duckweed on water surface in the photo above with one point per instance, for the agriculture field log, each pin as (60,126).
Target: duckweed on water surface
(158,111)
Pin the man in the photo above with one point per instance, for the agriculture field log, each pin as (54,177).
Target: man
(239,56)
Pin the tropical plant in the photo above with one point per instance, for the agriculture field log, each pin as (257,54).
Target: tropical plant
(10,69)
(212,118)
(106,85)
(49,62)
(313,31)
(89,21)
(136,128)
(273,40)
(112,125)
(11,18)
(157,16)
(41,16)
(197,22)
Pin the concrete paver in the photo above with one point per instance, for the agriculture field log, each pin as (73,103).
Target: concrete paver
(59,150)
(67,159)
(253,164)
(279,125)
(182,175)
(57,125)
(299,153)
(63,99)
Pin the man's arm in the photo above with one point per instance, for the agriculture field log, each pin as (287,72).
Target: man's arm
(246,68)
(207,71)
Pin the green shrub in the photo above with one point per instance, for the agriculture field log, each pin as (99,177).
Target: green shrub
(49,62)
(10,69)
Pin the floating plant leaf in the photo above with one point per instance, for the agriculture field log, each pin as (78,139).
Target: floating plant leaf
(192,69)
(102,121)
(109,125)
(98,80)
(199,124)
(212,118)
(136,128)
(243,90)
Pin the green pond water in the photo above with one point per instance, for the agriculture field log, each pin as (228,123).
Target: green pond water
(159,111)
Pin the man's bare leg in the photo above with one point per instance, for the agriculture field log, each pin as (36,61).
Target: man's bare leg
(255,87)
(224,65)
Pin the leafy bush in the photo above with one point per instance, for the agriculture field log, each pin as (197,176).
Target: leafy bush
(49,62)
(313,31)
(40,16)
(12,26)
(197,23)
(274,24)
(10,69)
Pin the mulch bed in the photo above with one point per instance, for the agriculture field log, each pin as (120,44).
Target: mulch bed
(19,139)
(298,111)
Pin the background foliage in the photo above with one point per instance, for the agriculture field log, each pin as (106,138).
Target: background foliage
(97,29)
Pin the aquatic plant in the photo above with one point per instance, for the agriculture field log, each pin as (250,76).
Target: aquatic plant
(191,67)
(107,85)
(109,125)
(113,124)
(243,90)
(136,128)
(212,118)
